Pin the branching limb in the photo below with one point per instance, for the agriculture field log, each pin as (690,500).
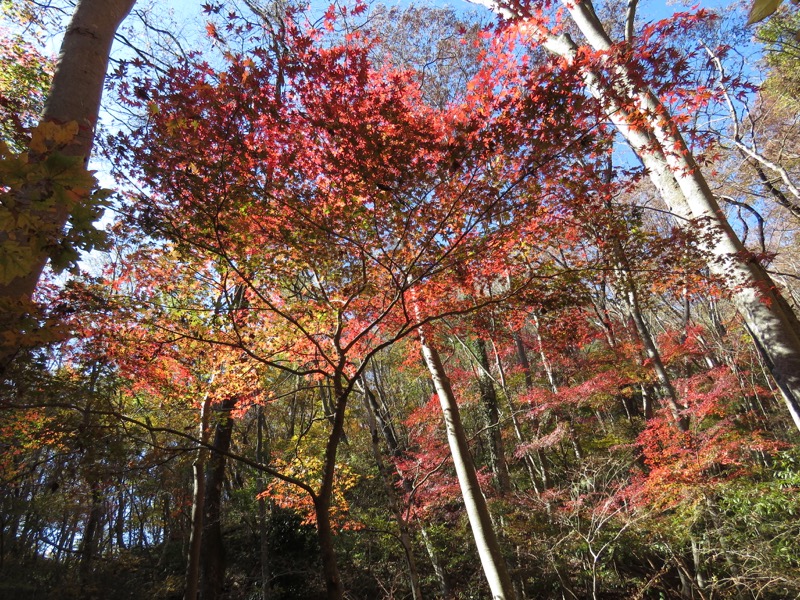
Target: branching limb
(630,16)
(750,151)
(755,213)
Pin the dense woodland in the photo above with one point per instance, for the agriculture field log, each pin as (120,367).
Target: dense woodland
(399,302)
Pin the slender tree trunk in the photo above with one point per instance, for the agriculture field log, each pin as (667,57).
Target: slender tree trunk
(198,497)
(551,379)
(492,560)
(631,295)
(530,465)
(394,503)
(323,499)
(212,549)
(382,417)
(697,561)
(491,411)
(384,426)
(541,468)
(518,582)
(574,442)
(3,523)
(262,457)
(438,568)
(169,528)
(92,530)
(119,522)
(74,96)
(522,358)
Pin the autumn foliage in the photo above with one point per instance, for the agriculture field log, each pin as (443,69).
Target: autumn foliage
(302,199)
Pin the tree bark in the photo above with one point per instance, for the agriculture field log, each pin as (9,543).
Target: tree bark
(533,467)
(384,426)
(212,550)
(74,95)
(322,500)
(438,569)
(394,503)
(119,521)
(631,294)
(522,358)
(198,496)
(91,532)
(491,412)
(262,456)
(492,560)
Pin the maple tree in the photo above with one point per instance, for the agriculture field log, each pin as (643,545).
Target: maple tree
(315,320)
(371,246)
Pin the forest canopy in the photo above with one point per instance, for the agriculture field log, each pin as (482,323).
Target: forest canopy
(416,301)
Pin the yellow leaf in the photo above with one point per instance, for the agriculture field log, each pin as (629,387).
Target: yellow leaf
(761,9)
(48,135)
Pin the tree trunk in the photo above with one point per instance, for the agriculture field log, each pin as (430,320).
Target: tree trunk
(491,413)
(438,569)
(492,560)
(330,568)
(541,467)
(212,550)
(382,416)
(522,358)
(198,497)
(74,96)
(119,521)
(322,501)
(574,442)
(91,532)
(384,426)
(631,295)
(394,503)
(262,457)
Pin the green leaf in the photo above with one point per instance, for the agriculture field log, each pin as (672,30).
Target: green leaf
(14,262)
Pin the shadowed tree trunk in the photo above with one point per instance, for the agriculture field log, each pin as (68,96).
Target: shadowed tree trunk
(323,499)
(88,547)
(370,404)
(212,550)
(631,294)
(538,464)
(497,456)
(384,425)
(262,456)
(198,497)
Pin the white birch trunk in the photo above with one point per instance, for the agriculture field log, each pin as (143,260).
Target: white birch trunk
(492,561)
